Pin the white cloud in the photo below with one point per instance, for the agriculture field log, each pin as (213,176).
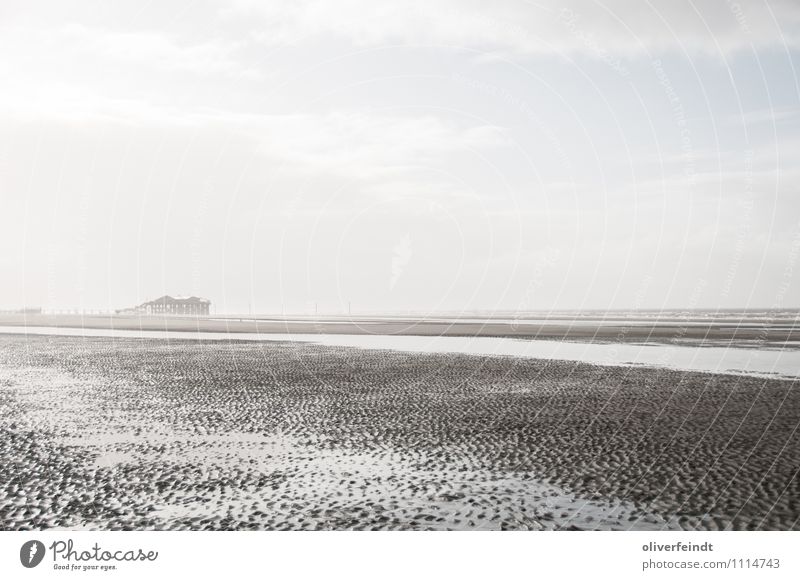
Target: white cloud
(767,116)
(362,145)
(153,49)
(624,27)
(82,51)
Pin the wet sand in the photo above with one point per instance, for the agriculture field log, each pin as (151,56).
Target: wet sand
(150,434)
(736,358)
(775,330)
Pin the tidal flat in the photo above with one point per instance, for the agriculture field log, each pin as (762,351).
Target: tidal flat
(128,434)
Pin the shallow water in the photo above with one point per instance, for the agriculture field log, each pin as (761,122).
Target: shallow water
(745,360)
(738,323)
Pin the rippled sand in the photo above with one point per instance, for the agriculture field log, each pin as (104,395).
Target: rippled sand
(153,434)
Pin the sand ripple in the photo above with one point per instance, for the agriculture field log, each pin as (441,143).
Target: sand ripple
(138,434)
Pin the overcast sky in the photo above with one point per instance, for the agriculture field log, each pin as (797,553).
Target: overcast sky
(424,155)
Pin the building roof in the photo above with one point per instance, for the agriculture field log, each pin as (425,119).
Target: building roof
(166,299)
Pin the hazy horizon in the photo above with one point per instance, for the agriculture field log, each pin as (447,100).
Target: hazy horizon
(318,313)
(434,156)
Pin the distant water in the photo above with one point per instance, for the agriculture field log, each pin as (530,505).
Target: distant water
(710,359)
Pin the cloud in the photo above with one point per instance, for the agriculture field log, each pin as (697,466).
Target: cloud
(82,51)
(767,116)
(154,49)
(356,144)
(401,256)
(621,27)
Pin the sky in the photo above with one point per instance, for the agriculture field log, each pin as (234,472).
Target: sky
(426,156)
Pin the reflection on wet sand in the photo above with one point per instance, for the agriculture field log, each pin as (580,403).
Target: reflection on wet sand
(155,434)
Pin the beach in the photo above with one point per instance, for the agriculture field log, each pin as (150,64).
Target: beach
(763,328)
(127,433)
